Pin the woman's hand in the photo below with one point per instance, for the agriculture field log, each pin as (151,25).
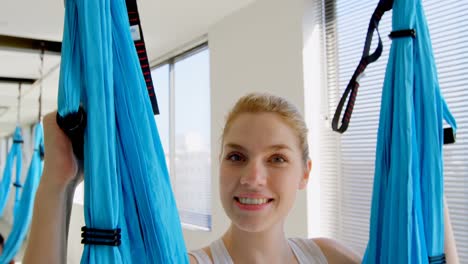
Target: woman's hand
(60,164)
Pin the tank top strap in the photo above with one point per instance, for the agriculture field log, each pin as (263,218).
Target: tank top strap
(220,253)
(307,251)
(201,256)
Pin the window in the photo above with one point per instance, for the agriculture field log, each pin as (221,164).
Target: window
(348,176)
(160,77)
(183,91)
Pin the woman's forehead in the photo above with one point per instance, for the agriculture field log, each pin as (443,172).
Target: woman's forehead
(265,130)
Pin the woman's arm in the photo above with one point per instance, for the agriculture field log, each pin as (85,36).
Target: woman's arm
(450,248)
(48,237)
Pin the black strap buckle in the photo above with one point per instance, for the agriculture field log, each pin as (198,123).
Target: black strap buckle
(103,237)
(17,185)
(449,136)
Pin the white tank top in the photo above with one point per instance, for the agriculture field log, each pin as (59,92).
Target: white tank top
(305,250)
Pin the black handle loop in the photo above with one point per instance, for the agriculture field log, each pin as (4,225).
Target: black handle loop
(74,125)
(366,59)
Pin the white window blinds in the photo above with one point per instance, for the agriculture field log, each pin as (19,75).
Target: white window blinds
(347,176)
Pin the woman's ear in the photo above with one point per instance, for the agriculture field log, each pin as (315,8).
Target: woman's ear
(305,176)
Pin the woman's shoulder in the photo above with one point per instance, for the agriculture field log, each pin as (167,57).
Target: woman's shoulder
(336,252)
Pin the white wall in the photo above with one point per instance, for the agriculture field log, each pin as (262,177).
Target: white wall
(316,107)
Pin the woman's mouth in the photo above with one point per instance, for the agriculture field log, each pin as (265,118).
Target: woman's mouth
(252,204)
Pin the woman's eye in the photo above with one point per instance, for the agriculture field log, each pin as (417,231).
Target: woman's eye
(234,157)
(278,159)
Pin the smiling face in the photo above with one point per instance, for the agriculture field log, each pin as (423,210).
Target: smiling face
(262,167)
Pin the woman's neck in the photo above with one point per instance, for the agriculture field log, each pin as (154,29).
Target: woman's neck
(269,246)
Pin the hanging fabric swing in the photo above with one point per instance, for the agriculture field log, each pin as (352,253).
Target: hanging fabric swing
(406,224)
(15,154)
(130,211)
(23,215)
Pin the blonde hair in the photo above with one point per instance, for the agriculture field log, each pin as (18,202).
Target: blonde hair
(267,103)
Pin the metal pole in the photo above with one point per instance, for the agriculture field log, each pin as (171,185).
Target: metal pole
(41,73)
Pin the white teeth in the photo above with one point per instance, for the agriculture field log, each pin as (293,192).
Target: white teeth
(252,201)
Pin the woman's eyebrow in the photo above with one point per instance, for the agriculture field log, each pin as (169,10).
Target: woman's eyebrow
(272,147)
(235,146)
(279,147)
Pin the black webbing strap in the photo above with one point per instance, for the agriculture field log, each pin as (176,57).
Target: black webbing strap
(74,125)
(17,185)
(402,33)
(138,40)
(366,59)
(102,237)
(18,141)
(437,259)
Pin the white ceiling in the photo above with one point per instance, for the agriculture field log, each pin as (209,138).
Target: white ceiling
(167,24)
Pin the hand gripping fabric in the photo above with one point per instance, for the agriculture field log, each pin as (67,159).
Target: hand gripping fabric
(126,181)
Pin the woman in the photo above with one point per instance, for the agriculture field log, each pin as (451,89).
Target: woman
(264,162)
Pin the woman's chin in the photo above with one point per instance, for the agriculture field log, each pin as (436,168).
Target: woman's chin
(251,225)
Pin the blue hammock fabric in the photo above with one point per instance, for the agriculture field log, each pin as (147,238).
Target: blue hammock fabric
(15,154)
(126,182)
(406,224)
(24,211)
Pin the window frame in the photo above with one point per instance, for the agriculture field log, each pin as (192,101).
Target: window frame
(171,62)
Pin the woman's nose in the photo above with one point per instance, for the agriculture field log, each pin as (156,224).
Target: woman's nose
(254,174)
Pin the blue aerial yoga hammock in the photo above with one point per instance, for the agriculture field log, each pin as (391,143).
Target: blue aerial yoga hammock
(23,215)
(15,154)
(406,224)
(128,196)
